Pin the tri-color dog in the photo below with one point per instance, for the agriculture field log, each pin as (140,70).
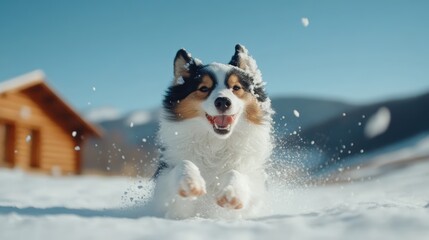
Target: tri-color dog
(216,134)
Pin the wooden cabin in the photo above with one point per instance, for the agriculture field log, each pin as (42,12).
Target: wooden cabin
(39,131)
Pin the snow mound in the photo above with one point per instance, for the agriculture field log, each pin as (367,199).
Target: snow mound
(102,114)
(138,118)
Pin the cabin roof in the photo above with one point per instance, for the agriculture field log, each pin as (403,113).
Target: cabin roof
(34,84)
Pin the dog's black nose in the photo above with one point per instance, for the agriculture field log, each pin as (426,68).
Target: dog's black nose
(222,103)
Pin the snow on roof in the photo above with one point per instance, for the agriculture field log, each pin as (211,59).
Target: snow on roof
(23,81)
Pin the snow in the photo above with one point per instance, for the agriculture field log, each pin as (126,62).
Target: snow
(296,113)
(305,22)
(33,77)
(392,206)
(420,150)
(378,123)
(198,61)
(180,80)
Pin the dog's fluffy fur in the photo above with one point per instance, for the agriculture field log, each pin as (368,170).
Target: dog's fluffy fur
(215,131)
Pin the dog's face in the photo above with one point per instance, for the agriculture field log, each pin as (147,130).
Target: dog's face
(219,95)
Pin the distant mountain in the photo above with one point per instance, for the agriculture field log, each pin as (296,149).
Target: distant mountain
(363,129)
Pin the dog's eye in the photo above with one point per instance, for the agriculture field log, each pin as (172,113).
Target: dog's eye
(236,88)
(203,89)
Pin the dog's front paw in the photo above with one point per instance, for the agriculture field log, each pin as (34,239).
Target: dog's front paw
(191,183)
(192,187)
(233,191)
(228,198)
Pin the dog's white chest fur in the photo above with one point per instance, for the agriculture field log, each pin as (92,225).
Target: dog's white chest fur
(232,170)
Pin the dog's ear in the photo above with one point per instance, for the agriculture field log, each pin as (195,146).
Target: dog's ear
(184,66)
(238,59)
(243,60)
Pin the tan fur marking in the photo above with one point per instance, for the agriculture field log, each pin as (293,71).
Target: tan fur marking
(233,80)
(234,203)
(222,201)
(183,193)
(190,107)
(194,191)
(239,206)
(253,111)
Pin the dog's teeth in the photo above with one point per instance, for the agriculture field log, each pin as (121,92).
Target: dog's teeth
(222,128)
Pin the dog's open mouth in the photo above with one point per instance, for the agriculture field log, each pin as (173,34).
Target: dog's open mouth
(221,123)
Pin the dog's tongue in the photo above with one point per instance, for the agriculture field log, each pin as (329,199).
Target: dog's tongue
(223,120)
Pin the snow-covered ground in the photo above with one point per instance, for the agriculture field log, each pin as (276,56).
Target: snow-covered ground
(393,206)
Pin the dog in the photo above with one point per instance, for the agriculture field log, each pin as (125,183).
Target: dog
(216,133)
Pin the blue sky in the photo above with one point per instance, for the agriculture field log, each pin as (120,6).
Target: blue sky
(357,51)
